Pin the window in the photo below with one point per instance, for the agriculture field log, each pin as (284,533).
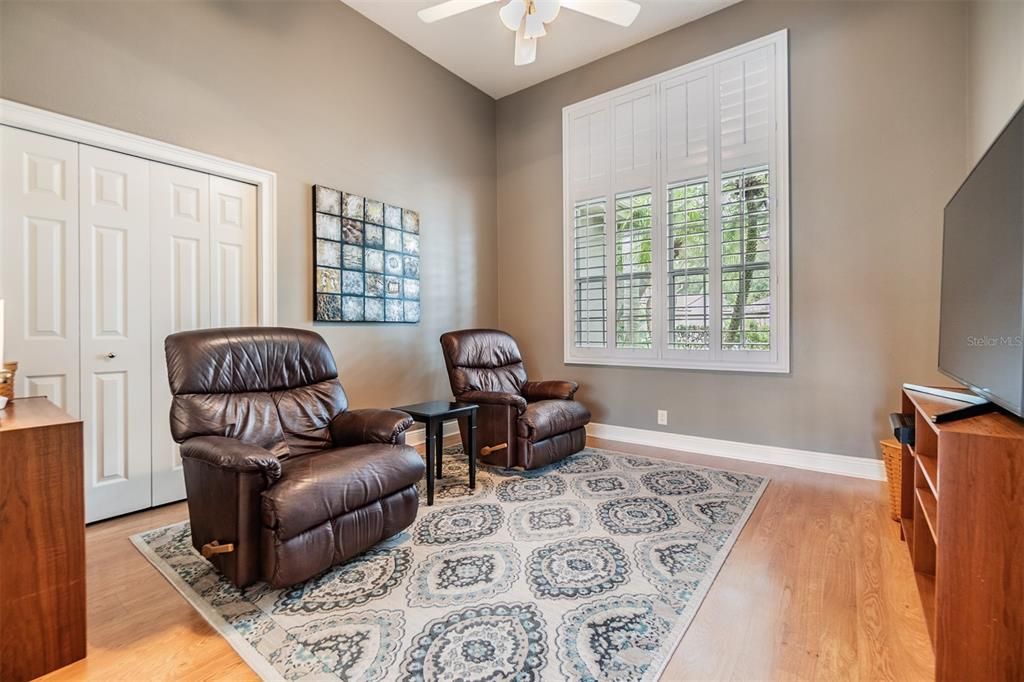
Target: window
(677,217)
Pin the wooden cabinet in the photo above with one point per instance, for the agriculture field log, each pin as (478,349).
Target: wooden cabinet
(962,516)
(42,539)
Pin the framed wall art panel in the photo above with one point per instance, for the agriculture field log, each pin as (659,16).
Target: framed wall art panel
(366,259)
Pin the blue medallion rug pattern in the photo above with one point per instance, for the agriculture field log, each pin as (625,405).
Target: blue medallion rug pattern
(590,569)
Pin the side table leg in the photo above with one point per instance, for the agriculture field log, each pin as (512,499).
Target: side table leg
(439,444)
(430,463)
(472,450)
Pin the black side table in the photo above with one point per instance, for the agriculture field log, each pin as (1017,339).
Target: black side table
(434,414)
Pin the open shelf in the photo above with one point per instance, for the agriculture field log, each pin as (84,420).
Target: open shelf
(931,511)
(929,471)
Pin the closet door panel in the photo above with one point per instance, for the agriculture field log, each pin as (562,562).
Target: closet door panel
(39,272)
(179,213)
(115,331)
(233,253)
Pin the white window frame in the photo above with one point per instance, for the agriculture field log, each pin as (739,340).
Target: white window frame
(777,359)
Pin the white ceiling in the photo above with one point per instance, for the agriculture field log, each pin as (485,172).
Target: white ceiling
(478,48)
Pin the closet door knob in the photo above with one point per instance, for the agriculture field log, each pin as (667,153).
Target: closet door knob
(111,356)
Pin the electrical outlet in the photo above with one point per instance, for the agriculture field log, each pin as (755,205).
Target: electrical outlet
(662,417)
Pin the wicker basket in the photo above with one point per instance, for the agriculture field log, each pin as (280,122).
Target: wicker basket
(892,455)
(7,378)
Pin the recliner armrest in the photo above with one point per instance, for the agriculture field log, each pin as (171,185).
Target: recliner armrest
(356,427)
(549,390)
(495,398)
(233,454)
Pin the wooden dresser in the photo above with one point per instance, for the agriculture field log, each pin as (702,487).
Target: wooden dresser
(962,515)
(42,539)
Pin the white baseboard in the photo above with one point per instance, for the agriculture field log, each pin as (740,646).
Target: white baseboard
(418,435)
(843,465)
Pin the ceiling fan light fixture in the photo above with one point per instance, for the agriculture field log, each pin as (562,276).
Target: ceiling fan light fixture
(527,17)
(526,48)
(534,26)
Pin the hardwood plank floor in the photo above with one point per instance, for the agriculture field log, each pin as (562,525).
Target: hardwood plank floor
(818,587)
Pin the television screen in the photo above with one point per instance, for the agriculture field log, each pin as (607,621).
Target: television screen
(981,324)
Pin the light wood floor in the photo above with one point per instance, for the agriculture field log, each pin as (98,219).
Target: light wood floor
(817,587)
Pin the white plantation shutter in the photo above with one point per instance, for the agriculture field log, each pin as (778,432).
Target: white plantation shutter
(590,285)
(634,138)
(745,109)
(686,106)
(633,173)
(686,167)
(746,117)
(681,182)
(590,151)
(588,141)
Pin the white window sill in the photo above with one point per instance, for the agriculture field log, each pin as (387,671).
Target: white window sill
(777,367)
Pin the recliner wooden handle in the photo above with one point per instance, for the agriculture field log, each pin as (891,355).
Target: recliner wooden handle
(488,449)
(212,548)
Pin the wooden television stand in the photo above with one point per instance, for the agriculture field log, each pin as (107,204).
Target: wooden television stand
(962,516)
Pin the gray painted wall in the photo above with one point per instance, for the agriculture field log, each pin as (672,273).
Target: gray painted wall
(877,139)
(316,93)
(995,70)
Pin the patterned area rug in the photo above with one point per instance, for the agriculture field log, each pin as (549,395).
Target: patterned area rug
(590,569)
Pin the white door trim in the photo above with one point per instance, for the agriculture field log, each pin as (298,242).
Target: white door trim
(824,462)
(37,120)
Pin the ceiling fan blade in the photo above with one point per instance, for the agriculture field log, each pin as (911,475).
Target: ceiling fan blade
(546,10)
(512,14)
(621,12)
(526,48)
(450,9)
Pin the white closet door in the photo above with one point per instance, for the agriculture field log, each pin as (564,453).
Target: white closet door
(180,295)
(115,342)
(39,266)
(233,253)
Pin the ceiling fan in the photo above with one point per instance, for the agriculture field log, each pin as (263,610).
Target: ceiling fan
(527,17)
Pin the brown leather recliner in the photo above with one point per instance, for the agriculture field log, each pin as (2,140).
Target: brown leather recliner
(539,421)
(275,463)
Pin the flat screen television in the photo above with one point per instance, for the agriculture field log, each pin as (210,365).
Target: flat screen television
(981,319)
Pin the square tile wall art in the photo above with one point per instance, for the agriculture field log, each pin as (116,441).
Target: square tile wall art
(366,259)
